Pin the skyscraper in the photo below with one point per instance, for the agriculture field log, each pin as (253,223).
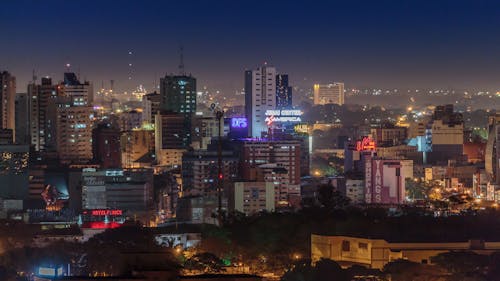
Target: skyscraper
(260,95)
(492,163)
(329,94)
(75,117)
(106,145)
(7,98)
(178,95)
(283,92)
(22,119)
(42,130)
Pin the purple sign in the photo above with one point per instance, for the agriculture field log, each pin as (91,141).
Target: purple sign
(239,122)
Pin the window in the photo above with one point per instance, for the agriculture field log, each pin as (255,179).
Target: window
(346,246)
(363,246)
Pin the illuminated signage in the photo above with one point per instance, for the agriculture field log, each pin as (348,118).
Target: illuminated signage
(239,122)
(114,173)
(364,144)
(50,272)
(283,115)
(105,212)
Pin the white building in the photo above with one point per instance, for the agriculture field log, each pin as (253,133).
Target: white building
(329,93)
(260,95)
(254,197)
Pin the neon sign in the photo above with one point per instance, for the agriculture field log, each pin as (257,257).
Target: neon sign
(365,144)
(105,212)
(239,122)
(283,115)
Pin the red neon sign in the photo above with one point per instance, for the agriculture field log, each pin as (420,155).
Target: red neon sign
(365,144)
(105,212)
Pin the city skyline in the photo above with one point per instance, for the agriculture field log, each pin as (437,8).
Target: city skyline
(449,44)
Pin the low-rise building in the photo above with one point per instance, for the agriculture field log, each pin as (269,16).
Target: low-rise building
(375,253)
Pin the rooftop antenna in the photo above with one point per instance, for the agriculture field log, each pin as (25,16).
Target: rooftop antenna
(181,65)
(34,77)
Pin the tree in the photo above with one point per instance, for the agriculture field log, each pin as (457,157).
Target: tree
(462,264)
(204,262)
(332,199)
(323,270)
(404,270)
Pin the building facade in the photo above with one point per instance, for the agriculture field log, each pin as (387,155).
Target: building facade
(329,93)
(7,100)
(283,92)
(384,181)
(260,96)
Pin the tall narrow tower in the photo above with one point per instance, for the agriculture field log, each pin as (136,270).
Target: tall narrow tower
(260,96)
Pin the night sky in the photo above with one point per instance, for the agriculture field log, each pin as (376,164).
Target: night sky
(383,44)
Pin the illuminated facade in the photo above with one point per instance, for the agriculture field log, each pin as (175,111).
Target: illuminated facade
(329,93)
(74,133)
(137,148)
(14,171)
(41,97)
(384,181)
(492,157)
(260,96)
(375,253)
(128,190)
(283,92)
(178,95)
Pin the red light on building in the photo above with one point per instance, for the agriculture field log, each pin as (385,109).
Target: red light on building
(221,176)
(105,212)
(100,225)
(365,144)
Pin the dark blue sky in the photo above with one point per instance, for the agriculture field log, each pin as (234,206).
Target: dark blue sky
(363,43)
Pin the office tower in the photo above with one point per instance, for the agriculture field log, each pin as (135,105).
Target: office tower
(329,93)
(22,119)
(446,135)
(205,129)
(492,157)
(75,117)
(106,145)
(42,99)
(171,138)
(283,92)
(7,98)
(260,96)
(178,95)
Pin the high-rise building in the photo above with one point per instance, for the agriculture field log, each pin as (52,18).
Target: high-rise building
(150,107)
(42,117)
(329,93)
(260,96)
(22,130)
(171,138)
(283,92)
(200,173)
(446,135)
(75,117)
(276,161)
(178,95)
(7,98)
(106,145)
(492,157)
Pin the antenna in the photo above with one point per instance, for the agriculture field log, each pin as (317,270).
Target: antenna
(181,65)
(34,77)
